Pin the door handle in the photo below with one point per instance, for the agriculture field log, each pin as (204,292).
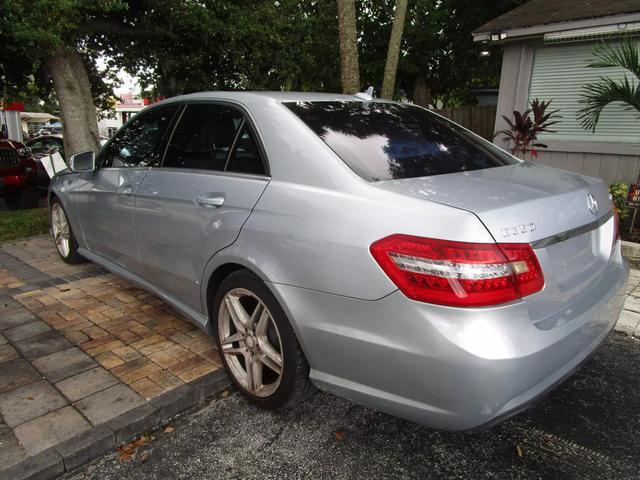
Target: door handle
(125,189)
(216,200)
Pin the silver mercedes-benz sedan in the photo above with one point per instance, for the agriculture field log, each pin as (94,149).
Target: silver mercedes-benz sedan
(371,248)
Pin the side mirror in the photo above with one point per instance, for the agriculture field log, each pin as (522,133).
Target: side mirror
(83,162)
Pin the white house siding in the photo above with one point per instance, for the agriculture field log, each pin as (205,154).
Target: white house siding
(612,161)
(610,168)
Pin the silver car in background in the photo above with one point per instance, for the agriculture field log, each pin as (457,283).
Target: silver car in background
(371,248)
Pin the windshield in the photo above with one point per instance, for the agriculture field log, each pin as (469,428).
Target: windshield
(385,141)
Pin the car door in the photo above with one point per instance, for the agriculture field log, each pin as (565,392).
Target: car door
(104,201)
(194,205)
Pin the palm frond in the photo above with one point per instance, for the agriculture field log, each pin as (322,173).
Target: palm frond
(598,95)
(623,55)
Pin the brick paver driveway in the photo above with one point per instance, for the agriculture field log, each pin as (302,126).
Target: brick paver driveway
(79,347)
(88,359)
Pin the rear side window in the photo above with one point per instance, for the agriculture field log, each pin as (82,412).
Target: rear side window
(204,137)
(139,143)
(246,157)
(385,141)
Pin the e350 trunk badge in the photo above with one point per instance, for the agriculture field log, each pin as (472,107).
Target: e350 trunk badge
(518,229)
(592,204)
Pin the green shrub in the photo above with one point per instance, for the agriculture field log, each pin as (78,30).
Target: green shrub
(618,191)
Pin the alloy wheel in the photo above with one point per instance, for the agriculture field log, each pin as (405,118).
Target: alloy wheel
(60,227)
(250,342)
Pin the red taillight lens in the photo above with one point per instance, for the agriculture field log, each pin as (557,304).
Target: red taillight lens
(457,273)
(14,179)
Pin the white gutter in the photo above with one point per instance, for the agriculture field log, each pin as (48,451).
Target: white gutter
(539,30)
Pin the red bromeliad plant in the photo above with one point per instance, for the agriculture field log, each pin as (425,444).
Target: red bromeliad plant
(524,130)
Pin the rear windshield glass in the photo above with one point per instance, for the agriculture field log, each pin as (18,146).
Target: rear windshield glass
(385,141)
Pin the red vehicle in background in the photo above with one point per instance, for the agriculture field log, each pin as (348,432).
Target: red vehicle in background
(18,174)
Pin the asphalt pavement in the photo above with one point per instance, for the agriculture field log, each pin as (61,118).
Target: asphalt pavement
(586,429)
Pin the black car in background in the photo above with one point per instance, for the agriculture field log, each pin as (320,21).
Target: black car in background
(45,145)
(23,179)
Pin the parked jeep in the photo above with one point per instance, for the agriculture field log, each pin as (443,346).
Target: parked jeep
(18,175)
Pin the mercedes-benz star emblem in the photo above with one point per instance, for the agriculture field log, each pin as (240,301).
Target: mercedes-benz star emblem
(592,204)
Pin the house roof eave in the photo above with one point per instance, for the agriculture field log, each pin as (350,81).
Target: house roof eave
(522,33)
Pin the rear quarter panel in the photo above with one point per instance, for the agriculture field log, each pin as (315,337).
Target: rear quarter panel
(319,239)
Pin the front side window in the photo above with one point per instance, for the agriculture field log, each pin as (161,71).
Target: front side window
(204,137)
(139,143)
(214,137)
(385,141)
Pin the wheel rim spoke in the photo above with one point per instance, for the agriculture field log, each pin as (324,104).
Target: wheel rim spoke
(263,324)
(259,311)
(254,372)
(270,363)
(236,337)
(237,312)
(235,351)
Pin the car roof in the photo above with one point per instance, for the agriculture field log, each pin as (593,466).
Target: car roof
(252,97)
(48,135)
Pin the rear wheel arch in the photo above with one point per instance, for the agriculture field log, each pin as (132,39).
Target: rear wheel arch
(215,279)
(220,273)
(52,198)
(293,383)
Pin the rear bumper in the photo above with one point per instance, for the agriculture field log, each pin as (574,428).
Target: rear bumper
(449,368)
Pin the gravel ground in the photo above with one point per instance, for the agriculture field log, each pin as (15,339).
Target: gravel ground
(586,429)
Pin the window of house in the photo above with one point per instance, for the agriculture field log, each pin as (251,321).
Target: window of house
(139,144)
(560,73)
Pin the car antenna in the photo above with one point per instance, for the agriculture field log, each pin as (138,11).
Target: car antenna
(366,95)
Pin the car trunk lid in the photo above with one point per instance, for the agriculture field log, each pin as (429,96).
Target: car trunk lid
(566,218)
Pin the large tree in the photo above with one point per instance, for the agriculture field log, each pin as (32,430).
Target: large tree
(349,65)
(50,36)
(438,59)
(393,52)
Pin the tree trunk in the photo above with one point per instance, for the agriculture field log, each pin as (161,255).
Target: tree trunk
(79,119)
(349,69)
(391,67)
(421,93)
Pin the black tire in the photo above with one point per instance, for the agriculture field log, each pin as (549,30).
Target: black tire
(29,197)
(25,198)
(73,257)
(294,384)
(12,201)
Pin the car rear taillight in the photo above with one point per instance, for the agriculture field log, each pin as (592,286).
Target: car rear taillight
(457,273)
(14,179)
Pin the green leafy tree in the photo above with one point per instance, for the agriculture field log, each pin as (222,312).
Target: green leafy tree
(438,57)
(231,45)
(598,95)
(45,44)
